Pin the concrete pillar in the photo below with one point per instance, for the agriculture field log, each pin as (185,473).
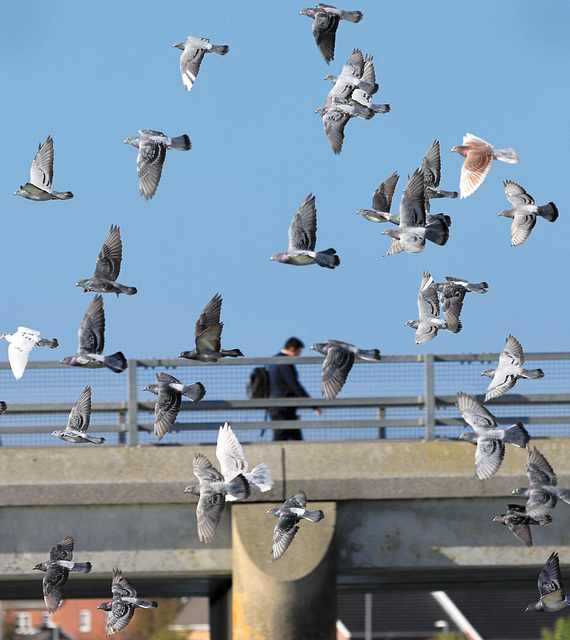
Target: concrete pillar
(292,598)
(221,616)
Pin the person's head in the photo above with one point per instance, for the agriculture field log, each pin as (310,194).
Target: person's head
(293,347)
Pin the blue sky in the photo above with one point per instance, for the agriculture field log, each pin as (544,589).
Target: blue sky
(91,76)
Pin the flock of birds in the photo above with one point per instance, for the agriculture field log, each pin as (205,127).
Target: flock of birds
(350,97)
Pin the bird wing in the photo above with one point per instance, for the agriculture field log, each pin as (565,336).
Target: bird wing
(452,296)
(150,159)
(475,414)
(476,165)
(166,407)
(230,453)
(204,470)
(521,226)
(324,31)
(382,198)
(119,617)
(368,74)
(53,583)
(190,62)
(515,194)
(412,205)
(210,316)
(210,339)
(538,469)
(500,384)
(283,533)
(354,66)
(334,122)
(209,512)
(336,366)
(512,353)
(488,456)
(92,328)
(62,550)
(431,166)
(80,414)
(303,229)
(122,587)
(21,343)
(299,500)
(428,303)
(550,580)
(41,172)
(109,259)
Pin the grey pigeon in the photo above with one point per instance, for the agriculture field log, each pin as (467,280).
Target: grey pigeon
(357,73)
(489,437)
(550,588)
(207,335)
(233,463)
(339,358)
(452,293)
(413,230)
(152,146)
(302,239)
(524,212)
(57,570)
(212,492)
(21,343)
(382,201)
(78,422)
(170,391)
(92,341)
(518,522)
(431,168)
(3,407)
(326,19)
(41,175)
(429,322)
(193,50)
(543,493)
(107,268)
(510,369)
(122,606)
(289,515)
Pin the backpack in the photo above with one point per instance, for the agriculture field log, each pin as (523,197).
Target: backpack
(258,383)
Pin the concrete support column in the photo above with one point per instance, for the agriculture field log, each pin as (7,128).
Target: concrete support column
(221,616)
(292,598)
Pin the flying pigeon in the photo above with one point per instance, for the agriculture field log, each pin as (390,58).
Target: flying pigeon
(302,238)
(413,230)
(107,268)
(92,341)
(57,570)
(326,19)
(518,521)
(123,603)
(479,156)
(293,511)
(543,493)
(41,175)
(452,292)
(382,201)
(152,146)
(78,422)
(339,358)
(550,587)
(193,50)
(207,335)
(357,73)
(488,436)
(212,491)
(3,407)
(509,370)
(524,212)
(429,322)
(233,463)
(431,168)
(21,343)
(170,391)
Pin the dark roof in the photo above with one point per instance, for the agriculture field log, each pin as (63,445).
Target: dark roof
(194,612)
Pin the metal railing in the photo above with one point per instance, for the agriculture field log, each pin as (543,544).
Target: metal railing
(399,397)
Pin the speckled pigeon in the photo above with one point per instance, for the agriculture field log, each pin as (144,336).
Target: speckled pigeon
(326,19)
(524,212)
(212,492)
(123,603)
(207,335)
(41,175)
(302,239)
(92,341)
(152,146)
(339,358)
(550,588)
(518,521)
(57,570)
(193,51)
(382,201)
(357,73)
(107,268)
(429,322)
(431,168)
(488,436)
(543,493)
(479,156)
(170,391)
(510,369)
(78,422)
(293,511)
(21,343)
(452,292)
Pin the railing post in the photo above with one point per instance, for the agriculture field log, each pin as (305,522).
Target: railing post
(133,403)
(429,397)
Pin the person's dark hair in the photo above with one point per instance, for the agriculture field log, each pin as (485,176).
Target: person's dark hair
(295,343)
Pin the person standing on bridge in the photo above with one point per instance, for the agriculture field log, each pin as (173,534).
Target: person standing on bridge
(283,383)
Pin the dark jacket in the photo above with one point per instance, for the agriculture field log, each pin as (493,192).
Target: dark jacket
(283,383)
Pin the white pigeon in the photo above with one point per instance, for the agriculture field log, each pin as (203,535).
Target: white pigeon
(232,462)
(21,343)
(429,322)
(193,51)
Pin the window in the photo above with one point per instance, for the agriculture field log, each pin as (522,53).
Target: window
(84,621)
(45,619)
(23,622)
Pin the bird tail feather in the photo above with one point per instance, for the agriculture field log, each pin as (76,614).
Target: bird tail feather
(506,155)
(533,374)
(51,343)
(232,353)
(477,287)
(220,49)
(62,195)
(548,211)
(351,16)
(438,230)
(517,435)
(327,258)
(128,291)
(116,362)
(81,567)
(238,488)
(380,108)
(147,604)
(194,392)
(314,516)
(564,494)
(433,192)
(369,354)
(260,477)
(182,143)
